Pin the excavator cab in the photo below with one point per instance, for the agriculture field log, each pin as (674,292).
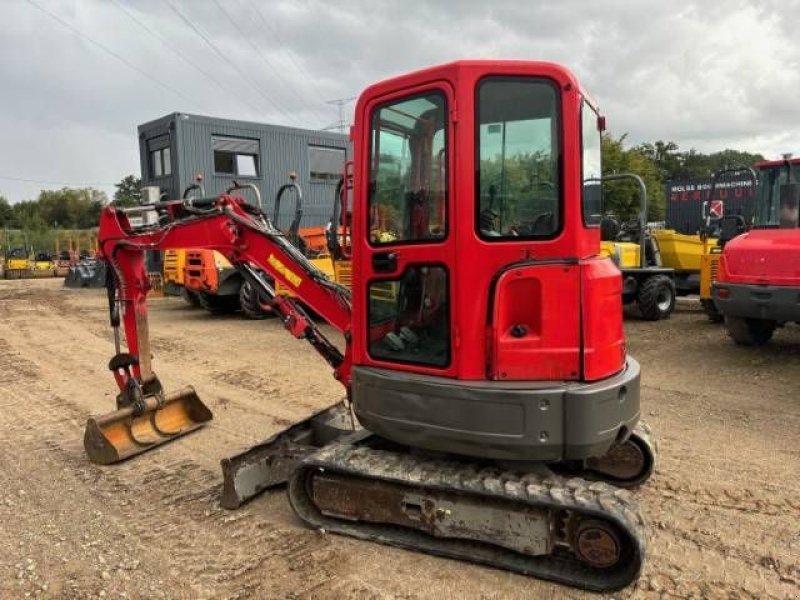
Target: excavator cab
(473,184)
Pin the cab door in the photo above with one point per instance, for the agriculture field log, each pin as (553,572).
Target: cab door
(405,248)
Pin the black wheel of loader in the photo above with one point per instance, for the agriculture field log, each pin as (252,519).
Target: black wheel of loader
(250,302)
(218,305)
(711,311)
(656,297)
(190,297)
(750,332)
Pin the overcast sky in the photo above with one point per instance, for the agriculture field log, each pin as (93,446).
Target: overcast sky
(76,82)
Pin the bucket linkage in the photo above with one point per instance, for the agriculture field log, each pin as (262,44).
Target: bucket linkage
(146,417)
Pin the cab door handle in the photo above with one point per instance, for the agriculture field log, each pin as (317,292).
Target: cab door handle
(384,262)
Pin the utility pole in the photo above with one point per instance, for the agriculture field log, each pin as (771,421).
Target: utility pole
(340,124)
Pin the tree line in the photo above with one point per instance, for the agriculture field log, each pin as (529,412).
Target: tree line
(67,208)
(38,222)
(656,163)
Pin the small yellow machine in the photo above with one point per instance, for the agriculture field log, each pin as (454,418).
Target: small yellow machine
(624,254)
(646,281)
(174,267)
(42,265)
(18,264)
(682,252)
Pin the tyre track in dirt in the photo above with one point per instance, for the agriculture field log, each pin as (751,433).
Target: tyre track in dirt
(165,509)
(724,503)
(309,569)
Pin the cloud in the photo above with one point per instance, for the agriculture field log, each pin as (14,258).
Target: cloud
(707,75)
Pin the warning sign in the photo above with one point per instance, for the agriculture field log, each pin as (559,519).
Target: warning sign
(716,209)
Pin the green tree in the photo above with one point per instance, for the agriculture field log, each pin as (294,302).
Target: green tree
(691,164)
(129,192)
(732,158)
(27,216)
(69,208)
(622,198)
(666,157)
(6,213)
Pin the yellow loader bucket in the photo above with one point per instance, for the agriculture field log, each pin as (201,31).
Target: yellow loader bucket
(121,434)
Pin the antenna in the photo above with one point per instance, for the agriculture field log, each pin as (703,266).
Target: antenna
(340,124)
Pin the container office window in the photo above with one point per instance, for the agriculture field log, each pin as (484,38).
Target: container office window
(325,164)
(160,156)
(235,156)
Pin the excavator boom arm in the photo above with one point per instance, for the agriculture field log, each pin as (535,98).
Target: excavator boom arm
(248,240)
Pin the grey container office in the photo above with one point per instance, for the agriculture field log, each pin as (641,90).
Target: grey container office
(174,149)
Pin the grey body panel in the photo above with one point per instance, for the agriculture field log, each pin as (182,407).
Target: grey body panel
(541,421)
(771,302)
(229,281)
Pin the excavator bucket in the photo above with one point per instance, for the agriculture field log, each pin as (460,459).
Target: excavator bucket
(122,434)
(273,461)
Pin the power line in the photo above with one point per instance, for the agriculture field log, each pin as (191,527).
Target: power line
(265,60)
(67,183)
(178,53)
(229,62)
(340,103)
(288,51)
(111,52)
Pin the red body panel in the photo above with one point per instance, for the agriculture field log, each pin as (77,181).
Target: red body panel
(530,337)
(762,257)
(603,334)
(473,262)
(769,164)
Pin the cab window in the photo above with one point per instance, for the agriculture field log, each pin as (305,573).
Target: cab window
(779,197)
(591,167)
(408,170)
(518,142)
(409,317)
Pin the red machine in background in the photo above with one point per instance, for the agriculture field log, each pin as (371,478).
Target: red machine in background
(758,285)
(483,354)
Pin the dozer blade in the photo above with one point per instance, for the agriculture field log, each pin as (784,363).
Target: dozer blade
(273,461)
(122,434)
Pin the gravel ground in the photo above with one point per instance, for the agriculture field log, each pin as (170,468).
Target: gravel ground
(723,506)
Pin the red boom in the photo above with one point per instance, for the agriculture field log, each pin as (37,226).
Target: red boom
(234,229)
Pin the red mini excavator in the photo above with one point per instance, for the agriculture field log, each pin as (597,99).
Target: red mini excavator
(491,412)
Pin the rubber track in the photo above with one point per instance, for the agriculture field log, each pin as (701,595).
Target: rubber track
(351,457)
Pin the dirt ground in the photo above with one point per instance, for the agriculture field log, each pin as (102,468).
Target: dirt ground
(723,507)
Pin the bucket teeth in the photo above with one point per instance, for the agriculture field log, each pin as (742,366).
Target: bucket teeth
(121,434)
